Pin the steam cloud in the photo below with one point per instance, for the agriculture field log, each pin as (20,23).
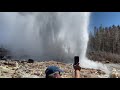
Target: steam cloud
(46,35)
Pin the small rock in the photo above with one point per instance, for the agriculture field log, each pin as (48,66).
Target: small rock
(30,61)
(100,72)
(107,62)
(10,64)
(36,73)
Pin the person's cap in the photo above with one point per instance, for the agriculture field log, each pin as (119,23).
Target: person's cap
(52,69)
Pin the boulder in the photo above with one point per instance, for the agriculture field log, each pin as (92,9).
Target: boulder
(30,61)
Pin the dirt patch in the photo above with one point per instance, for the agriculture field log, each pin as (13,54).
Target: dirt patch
(17,69)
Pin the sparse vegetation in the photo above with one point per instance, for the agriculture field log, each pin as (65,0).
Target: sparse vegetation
(104,57)
(104,44)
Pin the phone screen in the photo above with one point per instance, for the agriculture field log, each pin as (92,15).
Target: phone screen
(76,60)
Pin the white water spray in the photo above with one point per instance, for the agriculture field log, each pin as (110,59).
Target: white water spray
(47,35)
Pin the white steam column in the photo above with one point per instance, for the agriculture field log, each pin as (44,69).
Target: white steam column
(47,36)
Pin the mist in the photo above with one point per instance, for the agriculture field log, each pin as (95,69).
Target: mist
(47,36)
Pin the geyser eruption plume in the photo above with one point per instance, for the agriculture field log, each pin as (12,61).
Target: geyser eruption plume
(47,35)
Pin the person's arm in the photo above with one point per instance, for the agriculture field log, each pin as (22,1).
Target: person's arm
(77,69)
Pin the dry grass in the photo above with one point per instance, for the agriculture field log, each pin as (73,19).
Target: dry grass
(104,57)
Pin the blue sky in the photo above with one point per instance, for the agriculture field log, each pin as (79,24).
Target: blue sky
(104,18)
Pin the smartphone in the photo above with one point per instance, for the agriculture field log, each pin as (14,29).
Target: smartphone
(76,60)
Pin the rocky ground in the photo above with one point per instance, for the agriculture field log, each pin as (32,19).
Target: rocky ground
(23,69)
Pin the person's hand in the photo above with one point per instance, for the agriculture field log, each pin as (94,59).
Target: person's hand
(77,70)
(77,67)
